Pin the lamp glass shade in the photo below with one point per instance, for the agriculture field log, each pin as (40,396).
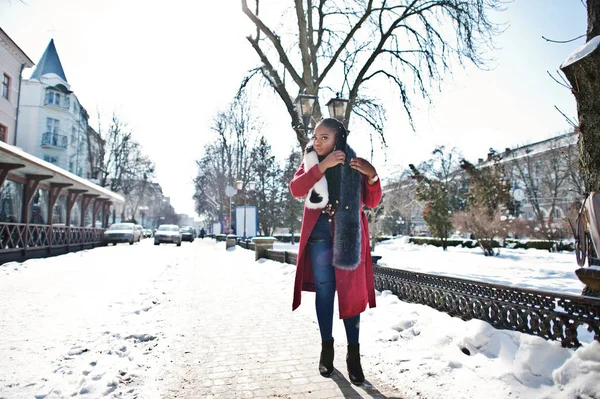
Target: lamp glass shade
(251,185)
(337,108)
(305,104)
(239,184)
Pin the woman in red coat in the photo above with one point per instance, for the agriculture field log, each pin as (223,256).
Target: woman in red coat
(334,253)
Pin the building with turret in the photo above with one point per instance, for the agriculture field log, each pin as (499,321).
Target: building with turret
(53,125)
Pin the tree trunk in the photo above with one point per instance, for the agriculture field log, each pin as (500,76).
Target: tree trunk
(584,76)
(593,7)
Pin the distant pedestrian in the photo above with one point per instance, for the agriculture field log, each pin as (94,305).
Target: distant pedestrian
(202,232)
(334,239)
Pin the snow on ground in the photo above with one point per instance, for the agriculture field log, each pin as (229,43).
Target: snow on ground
(83,324)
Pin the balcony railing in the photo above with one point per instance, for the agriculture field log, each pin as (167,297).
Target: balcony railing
(54,140)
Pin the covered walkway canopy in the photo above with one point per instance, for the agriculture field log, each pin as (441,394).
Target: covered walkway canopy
(18,165)
(22,229)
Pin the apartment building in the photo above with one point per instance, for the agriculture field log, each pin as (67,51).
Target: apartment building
(12,63)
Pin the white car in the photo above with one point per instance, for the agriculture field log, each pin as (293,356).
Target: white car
(167,233)
(121,232)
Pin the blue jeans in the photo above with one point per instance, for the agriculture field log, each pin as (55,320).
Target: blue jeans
(320,246)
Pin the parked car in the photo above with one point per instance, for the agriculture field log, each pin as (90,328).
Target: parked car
(121,232)
(167,233)
(140,228)
(187,233)
(147,233)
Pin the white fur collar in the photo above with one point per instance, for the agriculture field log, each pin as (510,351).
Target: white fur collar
(318,196)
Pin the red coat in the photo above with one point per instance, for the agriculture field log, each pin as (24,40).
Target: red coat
(355,288)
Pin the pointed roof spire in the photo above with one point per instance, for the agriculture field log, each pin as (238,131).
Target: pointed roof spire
(49,63)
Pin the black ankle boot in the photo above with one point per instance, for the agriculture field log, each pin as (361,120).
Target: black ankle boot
(355,371)
(326,360)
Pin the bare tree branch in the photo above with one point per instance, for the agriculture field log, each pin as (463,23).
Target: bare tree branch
(563,41)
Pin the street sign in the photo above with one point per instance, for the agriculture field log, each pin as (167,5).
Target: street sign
(518,194)
(230,191)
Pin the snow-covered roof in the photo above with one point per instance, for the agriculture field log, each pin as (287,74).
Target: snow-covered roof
(35,166)
(535,149)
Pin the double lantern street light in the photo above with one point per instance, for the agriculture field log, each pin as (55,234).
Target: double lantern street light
(305,103)
(239,185)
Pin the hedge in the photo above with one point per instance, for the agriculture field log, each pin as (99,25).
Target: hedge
(508,243)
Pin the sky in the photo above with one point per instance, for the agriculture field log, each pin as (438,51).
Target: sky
(167,68)
(111,327)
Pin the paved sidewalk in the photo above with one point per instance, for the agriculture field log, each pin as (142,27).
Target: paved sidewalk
(240,339)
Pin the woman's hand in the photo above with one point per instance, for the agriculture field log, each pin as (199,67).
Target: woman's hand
(364,167)
(334,158)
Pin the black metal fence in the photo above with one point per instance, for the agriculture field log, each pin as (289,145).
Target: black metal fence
(550,315)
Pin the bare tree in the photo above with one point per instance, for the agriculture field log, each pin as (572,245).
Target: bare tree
(292,207)
(488,203)
(210,183)
(268,188)
(95,143)
(441,189)
(543,174)
(575,184)
(117,162)
(136,187)
(113,153)
(349,44)
(401,203)
(227,158)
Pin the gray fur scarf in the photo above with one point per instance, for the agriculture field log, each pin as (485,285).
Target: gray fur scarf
(347,230)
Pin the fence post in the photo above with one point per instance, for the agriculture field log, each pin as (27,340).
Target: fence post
(261,244)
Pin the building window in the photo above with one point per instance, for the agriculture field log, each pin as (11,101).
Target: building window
(52,97)
(3,133)
(5,86)
(557,214)
(52,125)
(52,160)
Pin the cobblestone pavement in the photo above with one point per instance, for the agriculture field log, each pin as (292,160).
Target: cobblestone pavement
(238,338)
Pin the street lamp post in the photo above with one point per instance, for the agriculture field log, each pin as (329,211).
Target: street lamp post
(239,185)
(230,192)
(400,223)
